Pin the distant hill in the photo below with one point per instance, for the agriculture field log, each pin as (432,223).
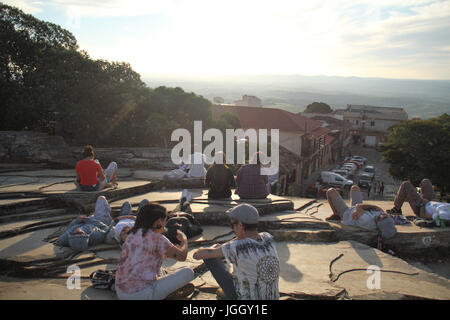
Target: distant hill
(420,98)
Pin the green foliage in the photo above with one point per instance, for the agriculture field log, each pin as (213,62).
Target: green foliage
(45,79)
(418,149)
(318,107)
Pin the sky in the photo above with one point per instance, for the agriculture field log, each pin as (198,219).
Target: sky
(401,39)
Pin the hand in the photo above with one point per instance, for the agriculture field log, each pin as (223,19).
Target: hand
(81,217)
(181,236)
(358,212)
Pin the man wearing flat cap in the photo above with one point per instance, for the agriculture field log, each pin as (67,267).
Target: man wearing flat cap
(256,266)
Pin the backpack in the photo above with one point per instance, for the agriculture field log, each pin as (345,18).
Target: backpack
(184,222)
(103,279)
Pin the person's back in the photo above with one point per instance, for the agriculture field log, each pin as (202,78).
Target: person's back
(88,171)
(219,179)
(141,260)
(197,165)
(250,184)
(256,267)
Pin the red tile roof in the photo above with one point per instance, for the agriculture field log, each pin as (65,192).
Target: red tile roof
(320,131)
(268,118)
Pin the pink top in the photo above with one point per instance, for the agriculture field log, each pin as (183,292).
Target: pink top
(140,260)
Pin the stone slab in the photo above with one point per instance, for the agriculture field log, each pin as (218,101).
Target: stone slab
(30,246)
(304,271)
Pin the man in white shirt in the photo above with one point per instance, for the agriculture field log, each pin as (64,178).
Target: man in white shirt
(197,165)
(366,216)
(421,203)
(256,267)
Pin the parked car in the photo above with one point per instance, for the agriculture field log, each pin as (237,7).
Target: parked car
(342,172)
(335,179)
(360,162)
(365,180)
(356,163)
(370,170)
(360,158)
(351,166)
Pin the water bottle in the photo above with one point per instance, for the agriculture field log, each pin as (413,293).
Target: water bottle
(441,222)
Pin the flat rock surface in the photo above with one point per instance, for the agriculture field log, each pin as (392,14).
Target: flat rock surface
(304,272)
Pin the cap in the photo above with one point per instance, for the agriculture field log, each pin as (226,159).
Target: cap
(245,213)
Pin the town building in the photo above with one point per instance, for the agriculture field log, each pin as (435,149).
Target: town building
(369,124)
(306,145)
(249,101)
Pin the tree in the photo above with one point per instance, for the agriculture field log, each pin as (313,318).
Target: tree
(418,149)
(318,107)
(45,79)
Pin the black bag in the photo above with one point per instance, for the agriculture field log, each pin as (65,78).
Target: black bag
(103,279)
(184,222)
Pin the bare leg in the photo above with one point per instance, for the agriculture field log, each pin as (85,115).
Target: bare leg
(427,189)
(407,192)
(337,204)
(355,196)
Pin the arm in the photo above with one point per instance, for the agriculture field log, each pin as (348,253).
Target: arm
(208,178)
(370,207)
(179,252)
(125,217)
(232,181)
(360,208)
(209,253)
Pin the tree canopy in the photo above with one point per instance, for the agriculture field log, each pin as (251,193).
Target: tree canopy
(46,80)
(318,107)
(418,149)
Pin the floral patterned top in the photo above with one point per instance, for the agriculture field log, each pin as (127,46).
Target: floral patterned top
(140,260)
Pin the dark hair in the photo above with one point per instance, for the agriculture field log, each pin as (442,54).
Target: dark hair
(248,227)
(88,151)
(224,160)
(147,215)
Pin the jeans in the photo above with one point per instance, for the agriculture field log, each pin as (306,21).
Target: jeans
(162,287)
(222,276)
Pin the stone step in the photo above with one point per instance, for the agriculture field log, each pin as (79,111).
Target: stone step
(20,206)
(33,215)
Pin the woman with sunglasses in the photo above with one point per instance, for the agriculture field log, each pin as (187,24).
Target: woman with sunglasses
(139,275)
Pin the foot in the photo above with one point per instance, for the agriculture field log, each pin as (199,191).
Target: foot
(333,217)
(394,211)
(220,294)
(182,293)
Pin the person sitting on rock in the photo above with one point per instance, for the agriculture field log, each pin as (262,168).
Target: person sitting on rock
(422,203)
(366,216)
(219,178)
(139,275)
(196,167)
(256,266)
(251,184)
(90,174)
